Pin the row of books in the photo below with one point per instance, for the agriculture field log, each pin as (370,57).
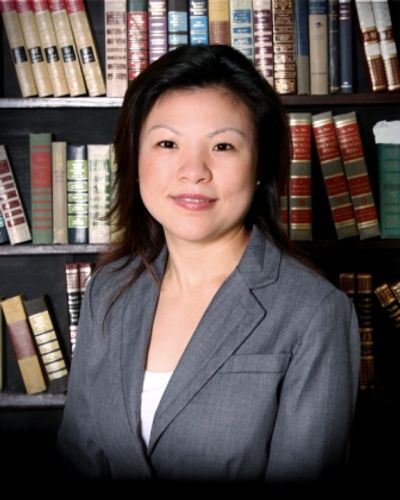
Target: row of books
(52,48)
(41,359)
(300,46)
(71,191)
(359,287)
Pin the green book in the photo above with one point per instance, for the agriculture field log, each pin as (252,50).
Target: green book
(389,189)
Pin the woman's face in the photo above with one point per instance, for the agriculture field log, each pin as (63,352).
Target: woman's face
(197,164)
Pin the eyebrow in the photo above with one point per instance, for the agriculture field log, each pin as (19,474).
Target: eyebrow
(226,129)
(162,125)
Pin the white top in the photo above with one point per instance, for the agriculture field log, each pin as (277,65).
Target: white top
(154,385)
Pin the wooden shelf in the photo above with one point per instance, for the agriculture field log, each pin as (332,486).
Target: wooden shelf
(31,401)
(61,102)
(51,249)
(367,98)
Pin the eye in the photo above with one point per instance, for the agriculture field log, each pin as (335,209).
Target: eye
(167,144)
(222,146)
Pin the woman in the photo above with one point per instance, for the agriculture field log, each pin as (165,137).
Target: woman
(206,351)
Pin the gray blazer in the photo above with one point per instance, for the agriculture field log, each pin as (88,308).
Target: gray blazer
(265,389)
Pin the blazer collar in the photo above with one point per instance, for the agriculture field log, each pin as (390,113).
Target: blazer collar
(230,318)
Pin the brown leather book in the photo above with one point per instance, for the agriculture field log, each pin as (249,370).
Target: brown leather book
(23,345)
(389,302)
(364,304)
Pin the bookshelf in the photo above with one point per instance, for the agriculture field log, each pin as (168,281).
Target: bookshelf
(34,270)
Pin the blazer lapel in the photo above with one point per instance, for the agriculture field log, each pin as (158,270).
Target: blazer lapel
(231,317)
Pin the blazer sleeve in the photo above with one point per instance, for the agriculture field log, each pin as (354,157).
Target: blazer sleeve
(78,452)
(318,396)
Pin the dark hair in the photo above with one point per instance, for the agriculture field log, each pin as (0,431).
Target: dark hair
(188,67)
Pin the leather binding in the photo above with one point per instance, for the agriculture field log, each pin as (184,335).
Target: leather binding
(388,301)
(67,48)
(355,167)
(219,22)
(334,175)
(158,37)
(300,207)
(263,49)
(99,192)
(47,344)
(346,46)
(370,41)
(178,23)
(116,46)
(302,47)
(59,178)
(35,49)
(72,286)
(364,305)
(23,345)
(333,46)
(284,40)
(11,205)
(87,51)
(198,22)
(241,24)
(318,30)
(137,37)
(50,48)
(77,193)
(395,287)
(17,45)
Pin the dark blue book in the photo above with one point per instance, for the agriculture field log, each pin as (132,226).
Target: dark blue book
(333,44)
(345,47)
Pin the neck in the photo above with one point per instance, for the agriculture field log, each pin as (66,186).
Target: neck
(193,266)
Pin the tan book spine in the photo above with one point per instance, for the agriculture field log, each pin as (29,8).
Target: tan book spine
(99,192)
(284,41)
(387,43)
(67,47)
(116,47)
(50,48)
(59,177)
(318,34)
(370,41)
(87,51)
(18,49)
(34,46)
(219,24)
(23,345)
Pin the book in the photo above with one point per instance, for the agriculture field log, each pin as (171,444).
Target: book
(77,194)
(116,45)
(198,22)
(334,176)
(35,50)
(49,45)
(371,47)
(178,23)
(48,345)
(302,47)
(72,288)
(219,22)
(3,231)
(59,177)
(346,46)
(300,209)
(137,37)
(241,25)
(158,32)
(364,307)
(318,33)
(41,188)
(85,44)
(333,46)
(355,167)
(67,47)
(387,140)
(284,40)
(23,344)
(388,301)
(18,48)
(99,192)
(12,209)
(263,43)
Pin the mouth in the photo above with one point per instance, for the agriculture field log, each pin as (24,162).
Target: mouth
(193,201)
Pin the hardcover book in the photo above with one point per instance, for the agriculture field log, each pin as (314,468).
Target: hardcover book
(178,23)
(364,306)
(59,175)
(318,33)
(346,46)
(389,302)
(263,43)
(302,47)
(77,194)
(219,23)
(158,32)
(3,231)
(72,288)
(137,37)
(241,23)
(198,22)
(99,192)
(333,46)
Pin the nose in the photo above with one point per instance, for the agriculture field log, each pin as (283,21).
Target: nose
(194,168)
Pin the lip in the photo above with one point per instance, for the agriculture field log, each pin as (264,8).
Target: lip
(193,201)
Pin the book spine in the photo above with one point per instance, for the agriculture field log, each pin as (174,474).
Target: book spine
(48,42)
(72,288)
(41,189)
(370,41)
(59,175)
(116,47)
(352,151)
(284,40)
(178,25)
(23,345)
(241,23)
(300,209)
(137,37)
(77,194)
(334,176)
(389,189)
(85,273)
(387,44)
(67,47)
(346,46)
(99,192)
(318,32)
(364,305)
(302,47)
(219,23)
(388,301)
(11,205)
(33,44)
(158,33)
(1,350)
(47,344)
(113,217)
(395,287)
(17,45)
(263,50)
(3,231)
(86,47)
(198,22)
(333,46)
